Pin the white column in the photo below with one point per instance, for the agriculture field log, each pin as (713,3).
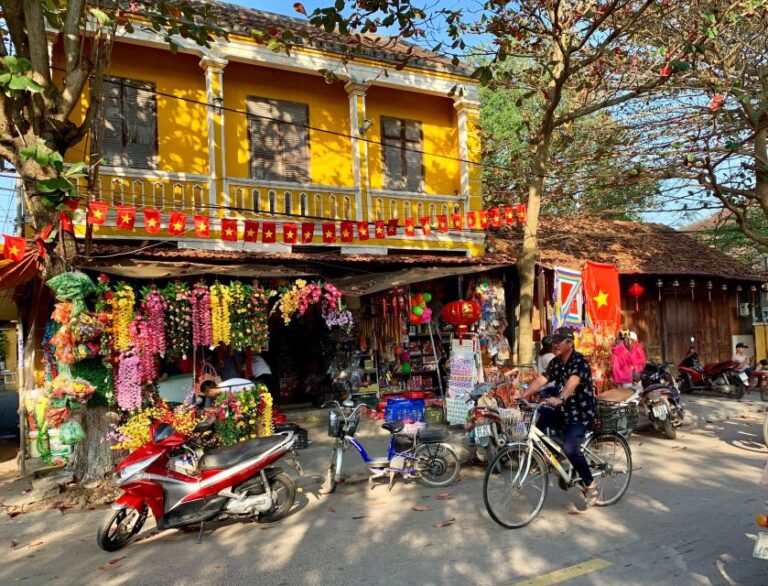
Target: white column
(214,89)
(462,105)
(356,92)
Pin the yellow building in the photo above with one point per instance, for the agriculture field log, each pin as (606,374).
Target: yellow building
(238,131)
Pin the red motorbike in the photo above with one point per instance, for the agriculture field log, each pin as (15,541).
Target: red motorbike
(183,485)
(722,378)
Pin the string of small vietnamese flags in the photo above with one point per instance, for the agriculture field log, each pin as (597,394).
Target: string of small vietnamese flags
(292,232)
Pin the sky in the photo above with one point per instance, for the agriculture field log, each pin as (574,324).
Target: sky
(8,201)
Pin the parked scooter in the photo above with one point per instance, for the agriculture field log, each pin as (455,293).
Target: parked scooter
(484,428)
(722,377)
(660,399)
(183,485)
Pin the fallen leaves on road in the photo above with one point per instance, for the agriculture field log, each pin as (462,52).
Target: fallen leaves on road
(445,496)
(360,517)
(445,523)
(574,512)
(331,510)
(14,544)
(678,448)
(420,507)
(31,545)
(113,563)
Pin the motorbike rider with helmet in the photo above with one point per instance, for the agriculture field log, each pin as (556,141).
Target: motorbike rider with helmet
(574,408)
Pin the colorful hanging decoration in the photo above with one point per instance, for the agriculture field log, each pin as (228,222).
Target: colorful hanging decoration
(569,298)
(461,314)
(260,303)
(636,291)
(134,432)
(128,382)
(178,320)
(602,295)
(420,313)
(202,329)
(242,332)
(295,300)
(154,306)
(122,302)
(143,346)
(220,302)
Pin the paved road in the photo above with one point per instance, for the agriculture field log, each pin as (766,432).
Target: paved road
(685,520)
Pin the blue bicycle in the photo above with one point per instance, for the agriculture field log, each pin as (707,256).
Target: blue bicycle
(423,454)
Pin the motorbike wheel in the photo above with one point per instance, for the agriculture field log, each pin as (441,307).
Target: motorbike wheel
(119,527)
(329,481)
(685,384)
(437,464)
(667,428)
(284,494)
(739,387)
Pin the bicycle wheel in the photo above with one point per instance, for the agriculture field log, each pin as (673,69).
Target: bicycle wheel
(436,464)
(610,460)
(514,495)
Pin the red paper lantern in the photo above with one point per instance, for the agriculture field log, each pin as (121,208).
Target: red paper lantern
(636,291)
(461,314)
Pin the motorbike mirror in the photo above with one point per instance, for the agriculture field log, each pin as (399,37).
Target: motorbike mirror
(349,404)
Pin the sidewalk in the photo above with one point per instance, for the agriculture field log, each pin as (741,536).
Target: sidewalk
(711,409)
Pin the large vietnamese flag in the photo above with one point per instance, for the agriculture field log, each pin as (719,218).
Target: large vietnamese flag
(602,294)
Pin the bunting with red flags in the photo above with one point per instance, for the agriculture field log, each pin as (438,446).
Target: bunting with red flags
(426,227)
(307,232)
(392,227)
(442,223)
(126,217)
(177,223)
(202,226)
(152,221)
(471,220)
(14,247)
(229,229)
(251,231)
(409,227)
(362,231)
(495,218)
(379,229)
(290,232)
(268,232)
(329,232)
(346,233)
(458,222)
(484,219)
(97,213)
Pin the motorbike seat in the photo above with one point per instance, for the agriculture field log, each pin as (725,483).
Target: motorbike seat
(232,455)
(427,436)
(394,426)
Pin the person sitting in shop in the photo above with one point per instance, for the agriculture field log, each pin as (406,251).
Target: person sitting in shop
(210,389)
(744,360)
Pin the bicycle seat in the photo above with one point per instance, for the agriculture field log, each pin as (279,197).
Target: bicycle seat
(393,426)
(427,436)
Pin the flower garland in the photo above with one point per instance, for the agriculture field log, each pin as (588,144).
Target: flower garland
(49,350)
(298,298)
(178,320)
(220,302)
(241,316)
(260,303)
(143,340)
(243,415)
(154,306)
(202,330)
(122,303)
(104,298)
(266,418)
(128,382)
(134,432)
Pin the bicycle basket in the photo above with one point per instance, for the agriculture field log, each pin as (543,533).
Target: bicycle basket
(515,423)
(615,417)
(336,427)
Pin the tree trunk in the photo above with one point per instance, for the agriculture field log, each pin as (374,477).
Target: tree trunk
(92,458)
(526,263)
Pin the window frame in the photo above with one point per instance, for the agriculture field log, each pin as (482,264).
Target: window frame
(405,146)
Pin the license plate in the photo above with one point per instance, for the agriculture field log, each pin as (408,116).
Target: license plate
(482,431)
(660,412)
(761,547)
(743,376)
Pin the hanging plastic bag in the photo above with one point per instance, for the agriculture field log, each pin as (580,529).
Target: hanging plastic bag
(71,433)
(74,286)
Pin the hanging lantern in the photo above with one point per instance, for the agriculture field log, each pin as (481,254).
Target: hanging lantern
(738,290)
(675,285)
(659,285)
(693,286)
(709,290)
(724,288)
(461,314)
(636,291)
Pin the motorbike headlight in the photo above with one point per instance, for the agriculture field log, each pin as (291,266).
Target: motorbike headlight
(135,468)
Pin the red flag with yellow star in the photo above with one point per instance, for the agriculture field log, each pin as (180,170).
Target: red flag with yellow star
(458,222)
(229,229)
(426,227)
(14,247)
(442,223)
(126,217)
(495,218)
(151,221)
(202,226)
(409,227)
(471,220)
(290,232)
(602,296)
(97,212)
(251,231)
(379,229)
(177,223)
(362,231)
(522,213)
(307,232)
(347,232)
(509,214)
(392,227)
(268,232)
(329,232)
(484,219)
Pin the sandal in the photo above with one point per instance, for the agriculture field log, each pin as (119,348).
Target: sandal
(591,495)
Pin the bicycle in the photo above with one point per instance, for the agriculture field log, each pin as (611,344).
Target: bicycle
(524,465)
(423,453)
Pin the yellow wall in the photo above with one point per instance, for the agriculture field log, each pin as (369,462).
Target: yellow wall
(330,155)
(440,135)
(182,127)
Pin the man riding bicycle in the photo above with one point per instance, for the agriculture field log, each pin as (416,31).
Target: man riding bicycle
(573,408)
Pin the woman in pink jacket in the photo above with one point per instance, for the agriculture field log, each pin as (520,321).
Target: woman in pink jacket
(621,364)
(636,353)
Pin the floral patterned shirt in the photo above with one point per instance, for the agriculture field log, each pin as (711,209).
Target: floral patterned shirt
(580,406)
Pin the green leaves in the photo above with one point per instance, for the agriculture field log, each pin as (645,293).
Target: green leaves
(13,76)
(101,17)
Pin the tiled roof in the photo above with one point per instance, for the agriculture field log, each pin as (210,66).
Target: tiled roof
(242,20)
(634,247)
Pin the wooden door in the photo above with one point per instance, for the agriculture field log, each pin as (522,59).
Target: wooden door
(707,321)
(678,327)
